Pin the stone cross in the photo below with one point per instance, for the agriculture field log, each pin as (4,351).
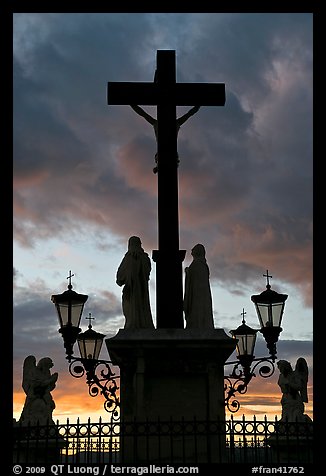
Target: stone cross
(166,94)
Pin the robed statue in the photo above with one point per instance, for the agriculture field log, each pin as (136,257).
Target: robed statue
(293,384)
(197,303)
(133,274)
(38,382)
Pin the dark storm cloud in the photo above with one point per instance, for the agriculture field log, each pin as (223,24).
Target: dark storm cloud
(246,168)
(59,145)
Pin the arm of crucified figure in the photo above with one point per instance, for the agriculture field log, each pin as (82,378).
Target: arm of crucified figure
(186,116)
(144,114)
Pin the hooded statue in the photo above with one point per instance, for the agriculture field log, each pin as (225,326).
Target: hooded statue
(133,273)
(197,303)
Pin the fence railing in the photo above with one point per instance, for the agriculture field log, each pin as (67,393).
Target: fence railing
(168,441)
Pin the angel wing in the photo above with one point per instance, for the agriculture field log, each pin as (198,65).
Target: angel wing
(301,370)
(29,369)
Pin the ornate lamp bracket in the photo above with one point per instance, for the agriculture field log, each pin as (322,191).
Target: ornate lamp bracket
(239,378)
(100,380)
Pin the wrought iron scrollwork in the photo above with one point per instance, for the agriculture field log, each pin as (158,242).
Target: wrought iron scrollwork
(266,370)
(76,371)
(231,388)
(238,380)
(100,380)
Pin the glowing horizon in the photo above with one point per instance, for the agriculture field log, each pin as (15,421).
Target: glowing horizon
(73,401)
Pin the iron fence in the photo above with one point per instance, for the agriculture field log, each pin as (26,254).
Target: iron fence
(169,441)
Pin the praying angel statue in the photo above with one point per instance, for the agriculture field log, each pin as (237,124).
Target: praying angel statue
(38,382)
(293,384)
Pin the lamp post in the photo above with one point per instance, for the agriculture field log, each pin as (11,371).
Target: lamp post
(246,337)
(90,343)
(69,306)
(99,376)
(270,308)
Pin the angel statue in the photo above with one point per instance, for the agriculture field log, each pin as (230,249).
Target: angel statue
(293,384)
(38,382)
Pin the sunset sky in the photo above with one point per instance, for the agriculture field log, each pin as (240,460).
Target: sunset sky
(83,179)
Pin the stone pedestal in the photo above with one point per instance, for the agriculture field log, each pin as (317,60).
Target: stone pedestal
(170,375)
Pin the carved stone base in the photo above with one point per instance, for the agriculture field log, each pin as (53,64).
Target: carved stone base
(172,374)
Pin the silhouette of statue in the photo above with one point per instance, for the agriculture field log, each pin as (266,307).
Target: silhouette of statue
(181,120)
(133,273)
(38,382)
(197,303)
(293,384)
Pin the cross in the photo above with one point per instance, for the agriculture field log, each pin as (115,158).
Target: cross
(243,315)
(69,277)
(267,276)
(166,94)
(89,318)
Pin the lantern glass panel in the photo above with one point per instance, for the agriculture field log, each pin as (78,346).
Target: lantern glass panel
(90,348)
(76,312)
(246,344)
(270,315)
(277,312)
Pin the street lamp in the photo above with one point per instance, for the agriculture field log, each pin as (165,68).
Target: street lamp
(246,337)
(270,307)
(90,343)
(99,376)
(69,306)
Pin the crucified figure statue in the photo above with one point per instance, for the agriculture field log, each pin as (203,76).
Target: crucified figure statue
(181,120)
